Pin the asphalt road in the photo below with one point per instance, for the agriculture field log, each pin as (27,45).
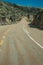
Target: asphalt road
(18,46)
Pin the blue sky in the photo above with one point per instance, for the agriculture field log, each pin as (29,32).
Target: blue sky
(36,3)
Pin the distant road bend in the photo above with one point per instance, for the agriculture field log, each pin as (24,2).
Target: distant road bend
(21,45)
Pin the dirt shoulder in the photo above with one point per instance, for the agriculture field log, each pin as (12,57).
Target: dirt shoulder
(34,32)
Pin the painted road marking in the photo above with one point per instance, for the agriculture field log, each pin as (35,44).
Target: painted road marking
(27,33)
(1,42)
(3,37)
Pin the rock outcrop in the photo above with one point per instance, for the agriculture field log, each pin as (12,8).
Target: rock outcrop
(38,20)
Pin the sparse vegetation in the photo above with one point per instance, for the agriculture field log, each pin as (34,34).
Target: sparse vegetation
(10,13)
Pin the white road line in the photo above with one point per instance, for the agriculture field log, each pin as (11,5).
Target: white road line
(27,33)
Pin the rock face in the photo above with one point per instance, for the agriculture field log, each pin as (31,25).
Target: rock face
(38,20)
(9,13)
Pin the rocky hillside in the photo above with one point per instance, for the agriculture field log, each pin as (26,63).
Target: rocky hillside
(10,13)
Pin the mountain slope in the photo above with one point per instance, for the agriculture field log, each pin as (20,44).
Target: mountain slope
(10,13)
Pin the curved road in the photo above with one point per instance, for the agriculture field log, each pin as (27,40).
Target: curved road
(16,48)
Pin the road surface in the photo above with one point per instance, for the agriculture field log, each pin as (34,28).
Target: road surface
(19,46)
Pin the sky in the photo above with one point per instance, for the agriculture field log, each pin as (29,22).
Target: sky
(34,3)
